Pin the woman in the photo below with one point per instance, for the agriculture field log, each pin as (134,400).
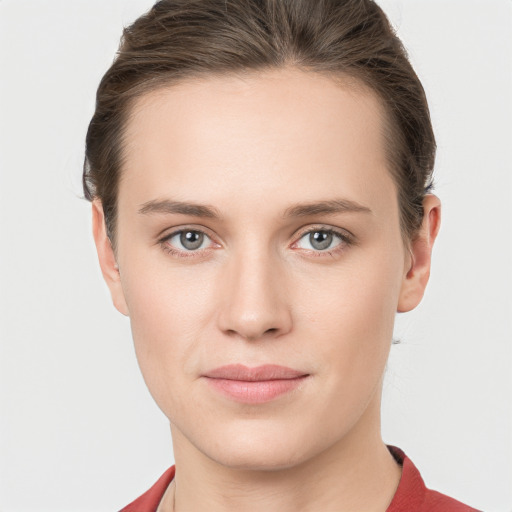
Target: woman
(260,174)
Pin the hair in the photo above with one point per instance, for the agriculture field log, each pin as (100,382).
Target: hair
(178,40)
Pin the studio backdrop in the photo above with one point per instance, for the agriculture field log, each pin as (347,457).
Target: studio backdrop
(79,432)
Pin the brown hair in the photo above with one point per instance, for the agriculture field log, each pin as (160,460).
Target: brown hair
(181,39)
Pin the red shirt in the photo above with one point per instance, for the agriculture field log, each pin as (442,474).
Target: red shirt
(410,496)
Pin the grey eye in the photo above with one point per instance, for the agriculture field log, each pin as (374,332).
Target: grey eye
(191,240)
(188,240)
(320,240)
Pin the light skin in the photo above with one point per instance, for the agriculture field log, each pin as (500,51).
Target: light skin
(258,151)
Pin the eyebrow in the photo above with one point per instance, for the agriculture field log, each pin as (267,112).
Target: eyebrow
(181,207)
(332,206)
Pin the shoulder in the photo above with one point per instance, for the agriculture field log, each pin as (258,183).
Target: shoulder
(412,493)
(149,501)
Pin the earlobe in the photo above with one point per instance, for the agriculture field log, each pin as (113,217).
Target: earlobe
(417,274)
(107,259)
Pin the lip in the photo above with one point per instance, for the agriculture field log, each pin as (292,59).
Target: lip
(254,385)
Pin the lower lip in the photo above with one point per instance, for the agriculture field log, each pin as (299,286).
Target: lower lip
(256,392)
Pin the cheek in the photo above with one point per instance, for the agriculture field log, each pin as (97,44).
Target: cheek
(350,314)
(361,295)
(169,310)
(346,322)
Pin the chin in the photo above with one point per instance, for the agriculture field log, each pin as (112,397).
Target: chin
(259,448)
(255,459)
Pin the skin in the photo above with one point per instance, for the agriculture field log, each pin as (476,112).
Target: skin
(258,292)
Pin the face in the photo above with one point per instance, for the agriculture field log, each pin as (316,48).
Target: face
(258,224)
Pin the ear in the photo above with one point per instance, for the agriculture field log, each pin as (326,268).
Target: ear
(106,257)
(417,272)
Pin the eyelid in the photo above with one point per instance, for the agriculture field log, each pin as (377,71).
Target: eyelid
(347,239)
(344,234)
(187,227)
(163,240)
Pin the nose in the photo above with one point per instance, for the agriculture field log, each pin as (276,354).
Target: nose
(255,302)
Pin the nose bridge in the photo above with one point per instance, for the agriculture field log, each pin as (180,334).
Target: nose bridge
(255,294)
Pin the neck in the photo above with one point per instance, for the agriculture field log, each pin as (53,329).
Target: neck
(357,473)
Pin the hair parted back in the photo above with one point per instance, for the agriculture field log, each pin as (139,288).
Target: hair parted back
(181,39)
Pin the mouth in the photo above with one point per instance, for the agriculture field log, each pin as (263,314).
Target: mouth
(254,385)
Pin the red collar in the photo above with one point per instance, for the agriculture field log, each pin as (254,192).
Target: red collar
(411,494)
(149,501)
(411,490)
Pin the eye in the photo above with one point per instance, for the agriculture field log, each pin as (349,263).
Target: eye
(188,240)
(321,240)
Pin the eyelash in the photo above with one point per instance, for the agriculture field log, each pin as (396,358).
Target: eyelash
(176,252)
(346,240)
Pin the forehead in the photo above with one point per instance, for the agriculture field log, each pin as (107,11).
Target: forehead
(285,130)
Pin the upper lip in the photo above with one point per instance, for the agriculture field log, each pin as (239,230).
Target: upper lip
(258,373)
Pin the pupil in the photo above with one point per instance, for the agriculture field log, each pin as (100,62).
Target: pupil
(191,239)
(320,240)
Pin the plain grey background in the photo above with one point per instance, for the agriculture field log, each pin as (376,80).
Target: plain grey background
(78,429)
